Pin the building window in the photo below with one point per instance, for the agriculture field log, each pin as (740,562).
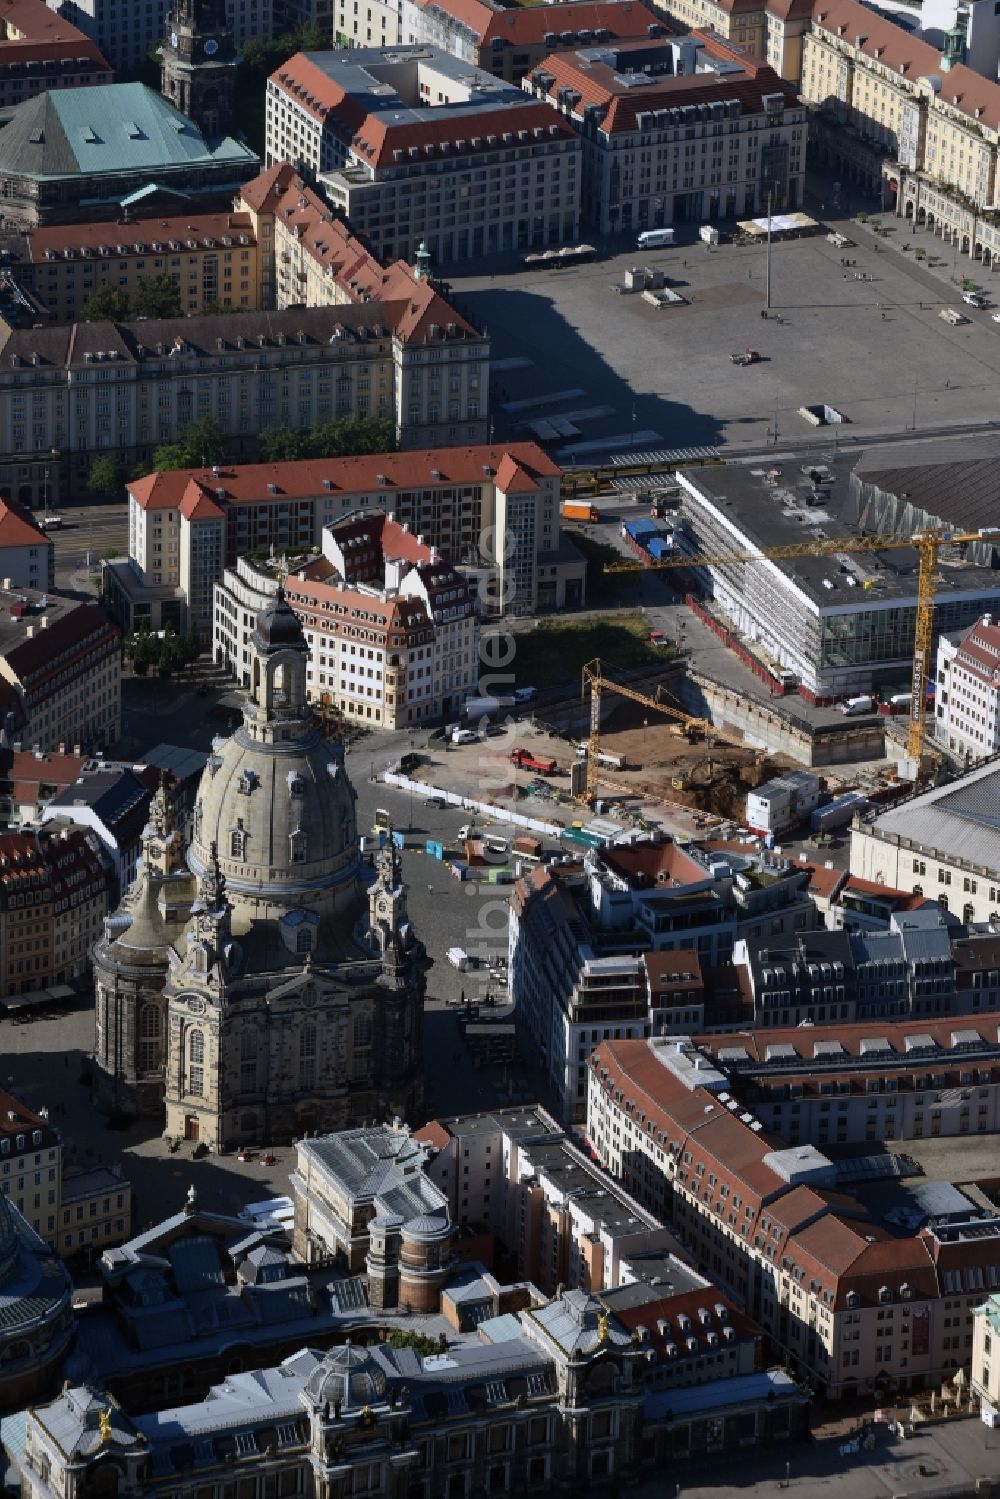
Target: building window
(307,1057)
(149,1038)
(196,1063)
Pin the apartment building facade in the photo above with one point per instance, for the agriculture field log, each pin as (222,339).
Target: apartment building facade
(53,899)
(852,1302)
(393,643)
(507,43)
(60,671)
(937,844)
(126,38)
(967,699)
(462,165)
(42,51)
(27,556)
(90,388)
(212,258)
(854,1084)
(676,129)
(887,108)
(485,509)
(578,938)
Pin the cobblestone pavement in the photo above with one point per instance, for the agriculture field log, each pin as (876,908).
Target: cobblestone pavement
(626,366)
(948,1458)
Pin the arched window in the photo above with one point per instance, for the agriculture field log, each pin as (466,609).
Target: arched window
(238,841)
(307,1056)
(248,1060)
(149,1038)
(196,1063)
(303,940)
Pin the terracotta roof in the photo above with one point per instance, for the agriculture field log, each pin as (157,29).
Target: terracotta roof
(674,969)
(599,84)
(30,770)
(882,37)
(33,21)
(803,1041)
(308,477)
(262,191)
(137,236)
(434,1134)
(74,631)
(660,1318)
(655,865)
(528,25)
(197,505)
(376,138)
(788,10)
(823,883)
(16,1118)
(85,55)
(17,529)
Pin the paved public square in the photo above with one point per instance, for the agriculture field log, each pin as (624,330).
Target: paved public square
(625,366)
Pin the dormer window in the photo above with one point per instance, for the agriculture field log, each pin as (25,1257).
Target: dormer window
(297,844)
(238,841)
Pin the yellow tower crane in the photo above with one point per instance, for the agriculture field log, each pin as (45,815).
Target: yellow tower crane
(927,545)
(594,678)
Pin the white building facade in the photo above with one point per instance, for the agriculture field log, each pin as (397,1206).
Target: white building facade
(967,702)
(399,651)
(453,159)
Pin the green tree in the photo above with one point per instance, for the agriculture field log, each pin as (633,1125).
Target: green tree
(170,657)
(190,647)
(282,444)
(156,296)
(343,435)
(198,444)
(212,307)
(106,304)
(106,476)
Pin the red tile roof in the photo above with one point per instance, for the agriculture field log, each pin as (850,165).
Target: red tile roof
(661,865)
(899,51)
(528,25)
(434,1134)
(602,86)
(309,477)
(137,236)
(17,529)
(375,137)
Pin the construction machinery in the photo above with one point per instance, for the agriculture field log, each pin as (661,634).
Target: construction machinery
(927,545)
(594,678)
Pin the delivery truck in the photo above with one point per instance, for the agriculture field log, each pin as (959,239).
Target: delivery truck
(652,239)
(856,705)
(580,511)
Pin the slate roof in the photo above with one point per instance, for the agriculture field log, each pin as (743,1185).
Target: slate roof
(960,821)
(118,127)
(962,488)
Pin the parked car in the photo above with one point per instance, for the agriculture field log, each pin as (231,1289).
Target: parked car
(525,694)
(464,736)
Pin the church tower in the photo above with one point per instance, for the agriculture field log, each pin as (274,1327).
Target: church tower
(198,64)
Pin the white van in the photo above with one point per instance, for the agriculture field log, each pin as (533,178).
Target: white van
(649,239)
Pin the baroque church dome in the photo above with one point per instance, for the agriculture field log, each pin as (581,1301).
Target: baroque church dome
(276,800)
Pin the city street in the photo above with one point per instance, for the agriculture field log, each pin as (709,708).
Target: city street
(87,534)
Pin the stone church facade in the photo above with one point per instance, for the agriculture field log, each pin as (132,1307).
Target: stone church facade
(281,1005)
